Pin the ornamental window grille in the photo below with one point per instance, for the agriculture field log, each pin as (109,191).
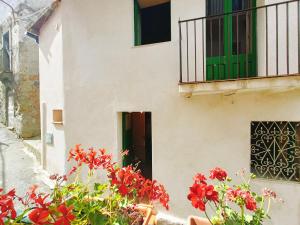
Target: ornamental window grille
(275,150)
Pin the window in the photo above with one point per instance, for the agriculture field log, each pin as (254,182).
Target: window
(152,21)
(275,150)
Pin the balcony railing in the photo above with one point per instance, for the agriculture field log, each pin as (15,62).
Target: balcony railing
(248,42)
(4,61)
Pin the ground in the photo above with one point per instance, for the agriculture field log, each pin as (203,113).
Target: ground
(18,169)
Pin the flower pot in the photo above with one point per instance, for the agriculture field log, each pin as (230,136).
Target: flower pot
(194,220)
(148,212)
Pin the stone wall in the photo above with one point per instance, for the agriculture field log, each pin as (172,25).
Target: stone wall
(3,114)
(27,119)
(25,71)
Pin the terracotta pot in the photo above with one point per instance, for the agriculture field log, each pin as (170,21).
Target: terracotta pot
(194,220)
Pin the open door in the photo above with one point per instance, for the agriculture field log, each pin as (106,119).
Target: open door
(230,39)
(137,139)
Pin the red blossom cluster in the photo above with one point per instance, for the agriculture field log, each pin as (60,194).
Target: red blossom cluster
(7,209)
(201,192)
(128,181)
(95,159)
(242,198)
(46,212)
(218,173)
(152,190)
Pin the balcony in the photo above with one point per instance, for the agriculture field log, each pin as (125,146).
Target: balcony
(5,70)
(240,47)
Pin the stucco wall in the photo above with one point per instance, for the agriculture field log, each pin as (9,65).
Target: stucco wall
(103,74)
(52,95)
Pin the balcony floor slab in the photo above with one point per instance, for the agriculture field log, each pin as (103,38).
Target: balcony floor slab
(278,83)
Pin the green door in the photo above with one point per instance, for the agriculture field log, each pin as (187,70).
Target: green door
(126,137)
(230,40)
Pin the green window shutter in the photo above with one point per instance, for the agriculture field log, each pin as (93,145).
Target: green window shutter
(137,24)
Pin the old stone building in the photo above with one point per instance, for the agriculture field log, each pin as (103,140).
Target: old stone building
(19,70)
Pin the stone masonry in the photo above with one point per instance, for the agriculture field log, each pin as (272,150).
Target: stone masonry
(23,86)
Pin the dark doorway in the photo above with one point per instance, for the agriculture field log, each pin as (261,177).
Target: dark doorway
(137,138)
(6,52)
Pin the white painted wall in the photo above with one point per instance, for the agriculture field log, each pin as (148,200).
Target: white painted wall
(90,68)
(52,92)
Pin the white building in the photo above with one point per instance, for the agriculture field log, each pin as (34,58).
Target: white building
(183,97)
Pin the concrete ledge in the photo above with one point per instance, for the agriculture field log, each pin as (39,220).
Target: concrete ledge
(164,219)
(242,85)
(34,146)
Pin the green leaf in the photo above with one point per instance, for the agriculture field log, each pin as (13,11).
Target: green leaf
(98,219)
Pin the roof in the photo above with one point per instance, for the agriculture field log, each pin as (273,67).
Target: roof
(35,27)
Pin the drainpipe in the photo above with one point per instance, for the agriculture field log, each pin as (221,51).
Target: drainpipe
(43,135)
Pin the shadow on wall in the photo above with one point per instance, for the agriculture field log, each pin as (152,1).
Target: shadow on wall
(47,41)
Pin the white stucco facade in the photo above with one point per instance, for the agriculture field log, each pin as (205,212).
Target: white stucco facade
(91,70)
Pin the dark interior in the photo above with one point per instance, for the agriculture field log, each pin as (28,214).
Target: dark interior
(156,24)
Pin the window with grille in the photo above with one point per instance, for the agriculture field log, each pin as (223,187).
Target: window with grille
(275,150)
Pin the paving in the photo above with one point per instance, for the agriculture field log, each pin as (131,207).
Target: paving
(18,167)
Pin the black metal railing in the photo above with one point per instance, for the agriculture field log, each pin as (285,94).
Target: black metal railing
(255,41)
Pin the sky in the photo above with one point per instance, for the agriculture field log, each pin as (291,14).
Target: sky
(5,10)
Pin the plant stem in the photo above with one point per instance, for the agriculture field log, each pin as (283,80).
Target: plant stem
(208,217)
(243,218)
(269,205)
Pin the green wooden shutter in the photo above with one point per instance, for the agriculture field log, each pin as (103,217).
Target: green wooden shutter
(137,24)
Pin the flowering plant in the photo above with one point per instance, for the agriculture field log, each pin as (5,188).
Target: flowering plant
(233,205)
(112,201)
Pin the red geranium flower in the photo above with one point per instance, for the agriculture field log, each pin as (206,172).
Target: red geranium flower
(211,194)
(7,208)
(218,173)
(196,196)
(245,197)
(66,215)
(39,216)
(200,178)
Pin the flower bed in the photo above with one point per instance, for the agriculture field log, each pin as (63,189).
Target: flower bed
(112,202)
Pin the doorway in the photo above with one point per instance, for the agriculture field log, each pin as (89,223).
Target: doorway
(137,138)
(6,52)
(230,39)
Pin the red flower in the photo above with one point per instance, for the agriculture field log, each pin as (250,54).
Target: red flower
(201,193)
(200,178)
(73,170)
(211,194)
(250,203)
(39,216)
(218,173)
(66,215)
(93,159)
(197,195)
(7,208)
(242,197)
